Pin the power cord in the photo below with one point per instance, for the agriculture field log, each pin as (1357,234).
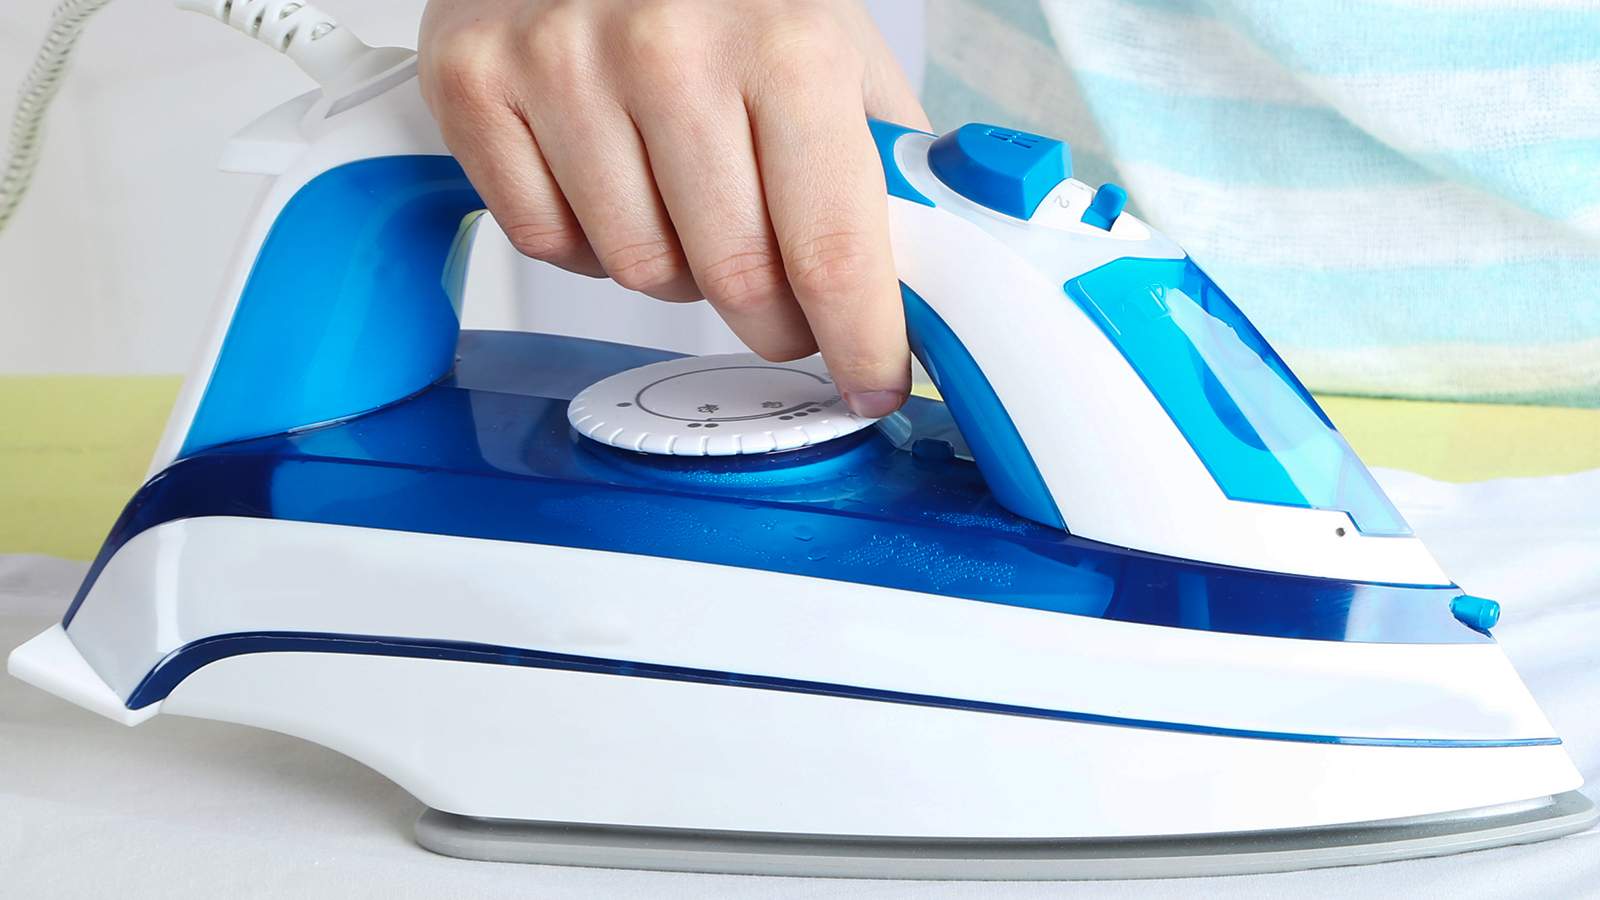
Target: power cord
(323,48)
(33,100)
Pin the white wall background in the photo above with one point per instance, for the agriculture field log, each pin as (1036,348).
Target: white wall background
(115,256)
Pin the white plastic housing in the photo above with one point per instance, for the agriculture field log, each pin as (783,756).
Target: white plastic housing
(1118,467)
(510,741)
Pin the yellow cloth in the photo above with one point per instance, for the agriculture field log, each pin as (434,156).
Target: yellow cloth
(1468,441)
(74,448)
(72,451)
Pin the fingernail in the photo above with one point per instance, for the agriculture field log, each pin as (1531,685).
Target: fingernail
(873,404)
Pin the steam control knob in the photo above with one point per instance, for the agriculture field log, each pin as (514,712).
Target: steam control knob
(722,405)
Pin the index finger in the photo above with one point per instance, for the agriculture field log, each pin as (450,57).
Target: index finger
(824,190)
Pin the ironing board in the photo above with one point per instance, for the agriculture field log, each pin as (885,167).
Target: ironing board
(218,809)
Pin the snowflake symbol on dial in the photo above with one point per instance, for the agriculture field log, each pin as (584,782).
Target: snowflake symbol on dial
(708,407)
(772,404)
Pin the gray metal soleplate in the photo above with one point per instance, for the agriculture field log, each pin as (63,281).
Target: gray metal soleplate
(731,852)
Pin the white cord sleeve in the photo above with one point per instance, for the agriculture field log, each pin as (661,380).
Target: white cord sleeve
(317,43)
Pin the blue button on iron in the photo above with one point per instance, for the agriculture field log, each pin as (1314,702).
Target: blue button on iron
(1106,206)
(1475,612)
(1006,170)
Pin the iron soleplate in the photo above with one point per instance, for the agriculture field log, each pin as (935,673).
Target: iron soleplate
(742,853)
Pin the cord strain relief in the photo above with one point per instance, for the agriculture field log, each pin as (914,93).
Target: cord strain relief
(317,42)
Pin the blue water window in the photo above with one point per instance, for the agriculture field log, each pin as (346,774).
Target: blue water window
(1251,422)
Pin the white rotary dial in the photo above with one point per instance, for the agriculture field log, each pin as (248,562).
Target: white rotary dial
(724,405)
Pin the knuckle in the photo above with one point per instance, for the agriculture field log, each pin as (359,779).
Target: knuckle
(804,40)
(547,62)
(832,264)
(462,72)
(657,31)
(550,242)
(555,44)
(664,56)
(561,20)
(645,266)
(743,280)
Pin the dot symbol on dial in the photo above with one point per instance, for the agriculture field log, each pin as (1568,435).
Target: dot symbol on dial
(733,391)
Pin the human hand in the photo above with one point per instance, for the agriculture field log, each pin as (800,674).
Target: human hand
(689,149)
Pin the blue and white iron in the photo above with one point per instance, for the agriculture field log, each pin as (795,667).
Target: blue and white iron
(1127,606)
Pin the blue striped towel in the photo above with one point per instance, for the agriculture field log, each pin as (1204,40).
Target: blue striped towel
(1404,195)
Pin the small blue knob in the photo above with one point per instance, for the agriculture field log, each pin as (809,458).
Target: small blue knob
(1475,612)
(1106,206)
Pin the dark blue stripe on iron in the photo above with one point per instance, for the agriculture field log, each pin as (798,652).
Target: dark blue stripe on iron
(473,457)
(184,661)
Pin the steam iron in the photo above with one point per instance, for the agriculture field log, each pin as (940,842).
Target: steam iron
(1125,604)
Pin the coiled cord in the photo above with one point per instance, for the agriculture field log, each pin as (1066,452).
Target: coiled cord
(33,100)
(310,37)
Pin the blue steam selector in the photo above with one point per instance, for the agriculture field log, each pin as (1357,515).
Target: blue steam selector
(1006,170)
(724,405)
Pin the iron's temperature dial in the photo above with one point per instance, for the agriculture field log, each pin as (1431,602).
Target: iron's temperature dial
(723,405)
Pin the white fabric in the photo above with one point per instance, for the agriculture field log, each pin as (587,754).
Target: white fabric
(179,807)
